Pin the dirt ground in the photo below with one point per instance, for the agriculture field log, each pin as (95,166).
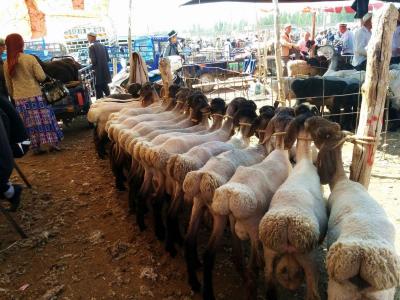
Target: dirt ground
(84,245)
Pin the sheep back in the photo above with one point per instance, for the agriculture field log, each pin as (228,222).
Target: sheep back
(360,238)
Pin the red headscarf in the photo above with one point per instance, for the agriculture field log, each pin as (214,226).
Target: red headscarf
(15,46)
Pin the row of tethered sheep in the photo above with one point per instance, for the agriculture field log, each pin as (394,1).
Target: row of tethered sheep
(185,150)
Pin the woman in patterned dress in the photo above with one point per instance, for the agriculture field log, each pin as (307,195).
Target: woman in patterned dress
(23,74)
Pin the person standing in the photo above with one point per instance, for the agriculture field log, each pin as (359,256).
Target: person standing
(12,134)
(347,40)
(396,44)
(99,59)
(287,46)
(361,39)
(22,74)
(172,48)
(3,87)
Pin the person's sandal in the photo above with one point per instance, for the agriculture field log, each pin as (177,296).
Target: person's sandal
(15,200)
(38,151)
(54,149)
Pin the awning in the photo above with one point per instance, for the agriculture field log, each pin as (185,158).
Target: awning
(349,10)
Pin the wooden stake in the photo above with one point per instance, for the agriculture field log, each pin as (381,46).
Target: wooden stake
(374,92)
(313,21)
(278,55)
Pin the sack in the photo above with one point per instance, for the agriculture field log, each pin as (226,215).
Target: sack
(54,90)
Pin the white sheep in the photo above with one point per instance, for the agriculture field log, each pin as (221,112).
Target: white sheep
(362,262)
(296,221)
(246,196)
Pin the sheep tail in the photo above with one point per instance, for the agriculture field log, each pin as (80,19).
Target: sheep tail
(208,184)
(191,184)
(377,265)
(159,158)
(183,165)
(288,231)
(171,164)
(235,198)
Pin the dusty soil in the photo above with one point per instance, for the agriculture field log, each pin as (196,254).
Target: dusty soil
(84,245)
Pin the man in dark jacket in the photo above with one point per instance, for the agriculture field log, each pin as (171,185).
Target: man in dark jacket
(99,58)
(172,48)
(3,88)
(12,133)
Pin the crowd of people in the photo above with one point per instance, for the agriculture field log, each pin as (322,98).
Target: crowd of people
(348,42)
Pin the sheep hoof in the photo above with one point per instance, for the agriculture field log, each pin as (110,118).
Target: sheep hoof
(195,285)
(120,186)
(170,248)
(160,232)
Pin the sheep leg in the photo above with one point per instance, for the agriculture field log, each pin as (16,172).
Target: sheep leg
(308,263)
(237,248)
(116,162)
(173,231)
(100,144)
(252,272)
(209,255)
(191,255)
(157,205)
(134,183)
(269,257)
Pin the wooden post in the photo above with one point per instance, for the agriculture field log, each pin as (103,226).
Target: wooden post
(374,92)
(130,29)
(278,55)
(166,75)
(313,21)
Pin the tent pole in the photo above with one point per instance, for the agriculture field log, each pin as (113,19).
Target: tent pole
(278,55)
(130,30)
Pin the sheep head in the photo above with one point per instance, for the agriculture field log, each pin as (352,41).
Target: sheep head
(218,106)
(234,105)
(288,272)
(134,89)
(283,115)
(328,138)
(302,112)
(199,106)
(267,112)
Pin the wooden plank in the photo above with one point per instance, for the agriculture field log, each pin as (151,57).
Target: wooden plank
(374,92)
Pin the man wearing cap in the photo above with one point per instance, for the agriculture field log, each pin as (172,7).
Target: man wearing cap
(99,58)
(286,45)
(347,40)
(172,48)
(361,39)
(3,88)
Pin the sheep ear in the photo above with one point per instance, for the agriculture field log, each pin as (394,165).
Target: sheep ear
(326,166)
(269,131)
(292,132)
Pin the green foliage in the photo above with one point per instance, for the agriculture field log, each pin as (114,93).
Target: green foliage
(298,19)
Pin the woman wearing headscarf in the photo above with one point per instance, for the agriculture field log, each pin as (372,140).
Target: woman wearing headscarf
(23,74)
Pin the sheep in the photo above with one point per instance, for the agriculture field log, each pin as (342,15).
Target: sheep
(297,219)
(314,90)
(199,186)
(246,196)
(99,115)
(159,174)
(198,104)
(362,262)
(167,151)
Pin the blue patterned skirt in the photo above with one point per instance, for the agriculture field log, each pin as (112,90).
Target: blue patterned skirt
(39,120)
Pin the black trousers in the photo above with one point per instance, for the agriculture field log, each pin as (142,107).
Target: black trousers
(6,159)
(101,90)
(362,66)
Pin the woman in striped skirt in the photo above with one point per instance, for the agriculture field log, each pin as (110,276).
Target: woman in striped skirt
(23,74)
